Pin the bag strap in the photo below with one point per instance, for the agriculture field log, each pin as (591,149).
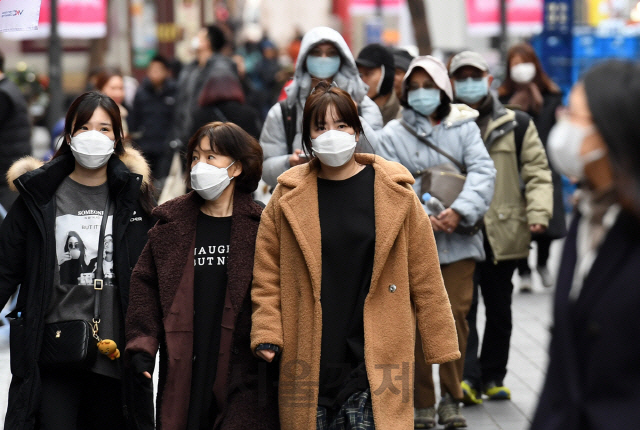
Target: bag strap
(426,141)
(289,114)
(522,124)
(98,281)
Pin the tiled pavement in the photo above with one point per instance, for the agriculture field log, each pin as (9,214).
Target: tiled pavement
(527,362)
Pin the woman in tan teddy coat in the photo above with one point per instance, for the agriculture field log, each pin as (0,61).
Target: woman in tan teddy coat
(345,265)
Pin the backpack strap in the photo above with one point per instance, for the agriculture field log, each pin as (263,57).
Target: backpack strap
(522,124)
(289,114)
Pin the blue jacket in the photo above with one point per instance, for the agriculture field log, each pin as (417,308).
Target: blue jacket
(459,136)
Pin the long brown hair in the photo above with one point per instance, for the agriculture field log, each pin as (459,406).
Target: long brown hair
(528,55)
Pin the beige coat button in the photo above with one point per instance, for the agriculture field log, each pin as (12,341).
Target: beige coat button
(392,288)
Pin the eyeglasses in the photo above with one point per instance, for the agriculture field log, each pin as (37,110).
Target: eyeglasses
(74,245)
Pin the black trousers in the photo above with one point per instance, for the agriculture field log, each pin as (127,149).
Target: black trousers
(494,281)
(80,400)
(544,244)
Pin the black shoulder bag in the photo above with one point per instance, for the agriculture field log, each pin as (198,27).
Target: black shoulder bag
(73,344)
(444,181)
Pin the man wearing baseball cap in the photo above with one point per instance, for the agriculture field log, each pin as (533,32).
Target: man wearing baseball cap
(402,59)
(516,211)
(376,66)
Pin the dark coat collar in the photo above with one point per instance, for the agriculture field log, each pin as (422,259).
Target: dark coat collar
(43,182)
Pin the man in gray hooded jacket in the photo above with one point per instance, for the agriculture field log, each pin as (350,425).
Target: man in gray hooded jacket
(324,55)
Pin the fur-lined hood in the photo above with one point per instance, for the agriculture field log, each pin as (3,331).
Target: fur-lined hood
(132,158)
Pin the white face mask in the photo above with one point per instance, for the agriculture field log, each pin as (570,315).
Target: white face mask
(334,148)
(564,145)
(523,73)
(195,43)
(209,181)
(92,149)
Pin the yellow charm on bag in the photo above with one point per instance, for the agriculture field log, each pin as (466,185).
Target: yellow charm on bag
(109,348)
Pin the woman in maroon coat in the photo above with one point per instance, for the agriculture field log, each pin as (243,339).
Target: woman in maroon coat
(190,293)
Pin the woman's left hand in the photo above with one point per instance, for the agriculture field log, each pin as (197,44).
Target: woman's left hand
(537,228)
(449,219)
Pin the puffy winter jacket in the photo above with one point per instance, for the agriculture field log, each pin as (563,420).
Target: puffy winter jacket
(459,136)
(273,137)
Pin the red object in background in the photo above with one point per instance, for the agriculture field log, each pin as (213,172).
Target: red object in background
(283,92)
(341,10)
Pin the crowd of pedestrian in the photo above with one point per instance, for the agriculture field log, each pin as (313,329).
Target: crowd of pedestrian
(401,189)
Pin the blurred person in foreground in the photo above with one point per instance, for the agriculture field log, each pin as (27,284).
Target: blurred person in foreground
(151,117)
(522,204)
(529,88)
(376,66)
(324,56)
(15,131)
(428,111)
(346,268)
(593,375)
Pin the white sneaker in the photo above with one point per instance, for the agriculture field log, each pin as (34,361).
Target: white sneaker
(545,276)
(525,283)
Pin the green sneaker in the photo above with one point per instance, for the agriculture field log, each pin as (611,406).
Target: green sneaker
(497,391)
(424,418)
(470,395)
(449,413)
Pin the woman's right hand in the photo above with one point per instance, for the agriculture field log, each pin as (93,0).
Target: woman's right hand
(147,374)
(266,354)
(298,157)
(436,224)
(65,257)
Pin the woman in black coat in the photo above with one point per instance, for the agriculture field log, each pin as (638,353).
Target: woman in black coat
(529,88)
(33,239)
(594,373)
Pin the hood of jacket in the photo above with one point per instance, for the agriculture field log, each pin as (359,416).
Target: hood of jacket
(132,159)
(347,78)
(395,171)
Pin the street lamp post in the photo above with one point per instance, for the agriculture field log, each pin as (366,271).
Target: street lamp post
(503,31)
(56,94)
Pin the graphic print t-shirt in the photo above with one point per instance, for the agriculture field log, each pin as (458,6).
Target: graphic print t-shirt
(210,259)
(79,210)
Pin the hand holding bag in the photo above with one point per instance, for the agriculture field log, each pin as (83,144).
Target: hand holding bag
(73,343)
(444,181)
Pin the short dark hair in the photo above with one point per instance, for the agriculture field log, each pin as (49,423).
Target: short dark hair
(1,62)
(229,139)
(319,101)
(443,109)
(161,59)
(81,111)
(216,37)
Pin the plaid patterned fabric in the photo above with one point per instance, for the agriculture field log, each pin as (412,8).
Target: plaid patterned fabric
(355,414)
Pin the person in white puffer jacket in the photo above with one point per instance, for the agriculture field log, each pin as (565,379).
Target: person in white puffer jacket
(428,113)
(324,55)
